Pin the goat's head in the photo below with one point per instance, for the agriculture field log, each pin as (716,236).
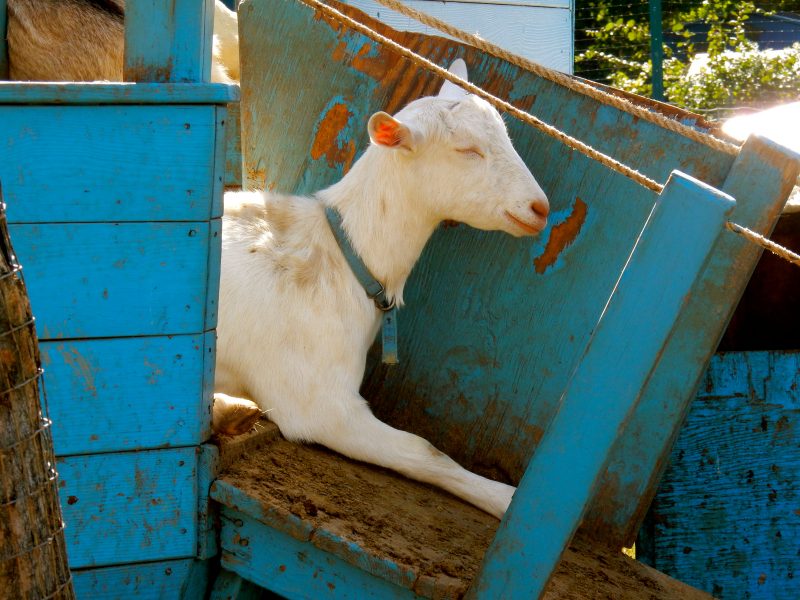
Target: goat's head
(455,152)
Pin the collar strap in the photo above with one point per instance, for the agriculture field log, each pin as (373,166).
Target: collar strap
(373,288)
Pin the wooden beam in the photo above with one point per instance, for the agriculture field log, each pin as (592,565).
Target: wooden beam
(168,40)
(606,385)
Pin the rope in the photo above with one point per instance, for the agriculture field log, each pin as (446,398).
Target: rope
(765,243)
(564,80)
(567,140)
(561,79)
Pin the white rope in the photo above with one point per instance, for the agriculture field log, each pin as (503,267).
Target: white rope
(569,141)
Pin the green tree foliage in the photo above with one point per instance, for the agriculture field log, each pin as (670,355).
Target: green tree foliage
(615,48)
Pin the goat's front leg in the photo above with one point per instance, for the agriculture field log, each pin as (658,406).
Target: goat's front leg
(233,416)
(355,432)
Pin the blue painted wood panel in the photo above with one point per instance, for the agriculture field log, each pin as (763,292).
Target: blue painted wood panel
(130,393)
(168,40)
(294,569)
(760,179)
(119,279)
(607,383)
(110,163)
(726,517)
(129,506)
(168,580)
(102,92)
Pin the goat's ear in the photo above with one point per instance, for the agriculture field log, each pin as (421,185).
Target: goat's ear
(385,130)
(450,91)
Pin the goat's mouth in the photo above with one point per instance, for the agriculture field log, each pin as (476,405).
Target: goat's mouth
(528,228)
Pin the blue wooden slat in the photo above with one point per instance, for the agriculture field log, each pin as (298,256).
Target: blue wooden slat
(726,512)
(229,586)
(617,362)
(110,280)
(109,163)
(294,569)
(127,394)
(23,92)
(207,471)
(168,40)
(171,580)
(233,148)
(129,506)
(760,180)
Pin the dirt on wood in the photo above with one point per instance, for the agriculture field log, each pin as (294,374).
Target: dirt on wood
(436,538)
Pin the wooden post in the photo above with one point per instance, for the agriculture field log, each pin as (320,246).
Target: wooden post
(617,363)
(168,40)
(33,558)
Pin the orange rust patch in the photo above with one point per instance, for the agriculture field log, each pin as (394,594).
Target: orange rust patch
(562,236)
(372,66)
(256,176)
(325,141)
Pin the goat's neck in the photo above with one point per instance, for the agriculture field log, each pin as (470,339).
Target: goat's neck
(387,224)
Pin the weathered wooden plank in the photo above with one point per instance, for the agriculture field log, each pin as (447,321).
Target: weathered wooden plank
(726,514)
(279,562)
(233,148)
(95,93)
(83,277)
(538,32)
(185,579)
(109,163)
(207,470)
(402,531)
(760,180)
(168,40)
(229,586)
(130,506)
(128,394)
(558,483)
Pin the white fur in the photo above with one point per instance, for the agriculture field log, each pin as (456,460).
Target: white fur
(295,325)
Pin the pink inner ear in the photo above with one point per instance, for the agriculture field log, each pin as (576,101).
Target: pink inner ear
(388,133)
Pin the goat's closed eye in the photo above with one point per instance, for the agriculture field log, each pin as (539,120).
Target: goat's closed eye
(472,151)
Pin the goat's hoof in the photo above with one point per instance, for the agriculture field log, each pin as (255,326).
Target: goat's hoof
(233,416)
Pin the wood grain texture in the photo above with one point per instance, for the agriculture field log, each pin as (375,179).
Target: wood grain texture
(613,370)
(128,394)
(168,40)
(117,279)
(725,516)
(100,92)
(185,579)
(110,163)
(296,518)
(540,33)
(760,179)
(233,148)
(130,506)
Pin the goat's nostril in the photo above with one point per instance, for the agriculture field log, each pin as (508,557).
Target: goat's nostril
(540,208)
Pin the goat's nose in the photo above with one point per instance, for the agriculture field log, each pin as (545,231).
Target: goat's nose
(540,208)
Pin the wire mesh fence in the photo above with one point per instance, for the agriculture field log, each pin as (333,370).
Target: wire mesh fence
(33,560)
(710,56)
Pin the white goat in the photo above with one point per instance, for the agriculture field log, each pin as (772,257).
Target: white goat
(295,324)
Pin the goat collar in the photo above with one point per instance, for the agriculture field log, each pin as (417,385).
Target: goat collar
(374,288)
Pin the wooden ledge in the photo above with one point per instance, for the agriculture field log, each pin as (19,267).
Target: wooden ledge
(410,534)
(104,92)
